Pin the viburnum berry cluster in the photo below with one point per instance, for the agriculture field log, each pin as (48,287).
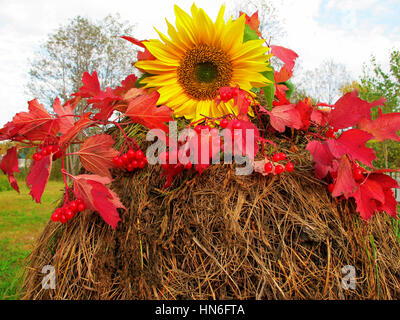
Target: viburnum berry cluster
(131,160)
(68,211)
(275,167)
(45,150)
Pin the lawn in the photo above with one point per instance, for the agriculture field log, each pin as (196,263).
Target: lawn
(21,221)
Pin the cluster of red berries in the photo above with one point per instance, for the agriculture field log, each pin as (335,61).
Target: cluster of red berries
(330,133)
(224,123)
(43,151)
(269,167)
(68,211)
(131,160)
(228,93)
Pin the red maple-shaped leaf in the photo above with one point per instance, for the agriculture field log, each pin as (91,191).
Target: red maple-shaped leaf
(282,75)
(350,109)
(35,124)
(344,183)
(384,127)
(38,176)
(126,85)
(353,142)
(319,117)
(376,195)
(287,56)
(144,110)
(253,21)
(65,114)
(9,165)
(91,86)
(285,116)
(96,154)
(83,123)
(322,157)
(97,197)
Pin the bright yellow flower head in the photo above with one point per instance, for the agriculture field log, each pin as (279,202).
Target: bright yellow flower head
(199,58)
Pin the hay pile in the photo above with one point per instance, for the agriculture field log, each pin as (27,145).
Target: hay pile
(219,236)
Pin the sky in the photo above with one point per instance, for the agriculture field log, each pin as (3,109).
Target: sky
(347,31)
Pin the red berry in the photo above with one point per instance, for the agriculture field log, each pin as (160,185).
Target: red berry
(279,169)
(116,161)
(81,207)
(37,156)
(55,148)
(125,158)
(139,155)
(224,123)
(358,174)
(131,154)
(63,219)
(197,129)
(79,201)
(188,166)
(235,92)
(73,206)
(282,156)
(69,214)
(56,215)
(330,134)
(134,164)
(331,187)
(142,163)
(130,167)
(333,174)
(268,167)
(236,124)
(289,167)
(223,96)
(57,155)
(120,163)
(205,128)
(276,157)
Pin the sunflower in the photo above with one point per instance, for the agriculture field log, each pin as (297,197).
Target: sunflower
(199,58)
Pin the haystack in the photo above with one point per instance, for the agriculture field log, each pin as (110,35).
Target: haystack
(219,236)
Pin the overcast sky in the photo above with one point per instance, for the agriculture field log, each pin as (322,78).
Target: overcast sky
(348,31)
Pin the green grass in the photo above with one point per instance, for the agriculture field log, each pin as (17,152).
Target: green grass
(21,221)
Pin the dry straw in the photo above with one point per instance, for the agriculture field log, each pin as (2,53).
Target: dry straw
(219,236)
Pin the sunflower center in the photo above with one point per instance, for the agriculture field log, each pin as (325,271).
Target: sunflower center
(203,70)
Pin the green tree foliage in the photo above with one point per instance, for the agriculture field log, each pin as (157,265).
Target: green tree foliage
(376,83)
(81,45)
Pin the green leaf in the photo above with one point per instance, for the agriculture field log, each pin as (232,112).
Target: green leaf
(138,84)
(269,91)
(249,34)
(290,86)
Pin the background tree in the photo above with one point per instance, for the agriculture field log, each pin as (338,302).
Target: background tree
(79,46)
(374,84)
(324,82)
(271,26)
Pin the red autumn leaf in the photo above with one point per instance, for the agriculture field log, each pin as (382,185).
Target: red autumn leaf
(345,183)
(96,154)
(80,125)
(91,86)
(305,111)
(253,22)
(38,176)
(319,117)
(284,116)
(142,55)
(375,195)
(282,75)
(126,85)
(322,157)
(97,197)
(350,109)
(353,142)
(65,114)
(35,124)
(384,127)
(9,165)
(144,110)
(287,56)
